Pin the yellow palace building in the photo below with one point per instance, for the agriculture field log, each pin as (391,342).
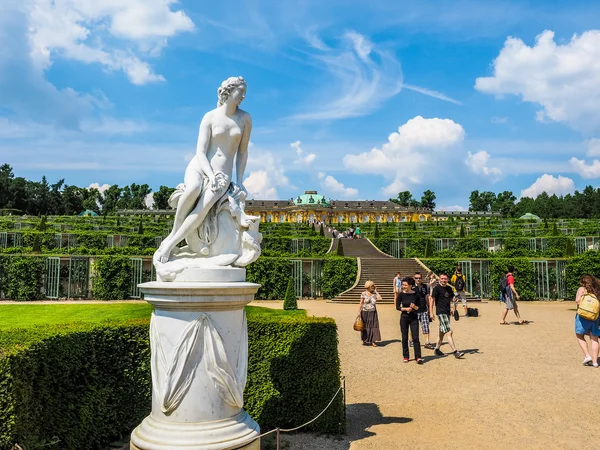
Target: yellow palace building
(311,206)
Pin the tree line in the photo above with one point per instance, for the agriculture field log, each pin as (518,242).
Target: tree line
(42,198)
(581,205)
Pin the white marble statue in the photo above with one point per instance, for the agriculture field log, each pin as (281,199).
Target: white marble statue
(210,213)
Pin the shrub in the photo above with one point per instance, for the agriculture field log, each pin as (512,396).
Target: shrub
(570,249)
(21,277)
(90,384)
(293,372)
(340,248)
(428,249)
(339,274)
(376,233)
(112,278)
(290,302)
(87,385)
(269,273)
(321,230)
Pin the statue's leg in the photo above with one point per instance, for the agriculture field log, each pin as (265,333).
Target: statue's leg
(190,223)
(193,181)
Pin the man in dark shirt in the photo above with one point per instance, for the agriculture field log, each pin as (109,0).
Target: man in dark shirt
(422,291)
(442,296)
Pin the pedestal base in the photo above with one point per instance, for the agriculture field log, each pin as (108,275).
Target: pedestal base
(239,432)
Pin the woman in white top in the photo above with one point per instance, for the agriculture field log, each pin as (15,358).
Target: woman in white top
(367,310)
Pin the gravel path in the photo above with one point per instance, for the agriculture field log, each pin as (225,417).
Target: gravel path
(517,387)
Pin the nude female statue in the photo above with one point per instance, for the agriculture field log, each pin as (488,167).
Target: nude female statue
(224,135)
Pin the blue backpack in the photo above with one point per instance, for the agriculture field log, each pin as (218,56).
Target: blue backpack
(502,288)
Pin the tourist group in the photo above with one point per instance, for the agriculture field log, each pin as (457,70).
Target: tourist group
(419,301)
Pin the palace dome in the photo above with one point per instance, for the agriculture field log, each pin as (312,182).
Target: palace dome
(310,198)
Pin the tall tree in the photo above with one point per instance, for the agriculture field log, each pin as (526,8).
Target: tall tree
(504,203)
(110,198)
(428,199)
(404,198)
(481,201)
(161,197)
(6,179)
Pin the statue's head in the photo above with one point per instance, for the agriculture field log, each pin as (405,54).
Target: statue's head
(233,88)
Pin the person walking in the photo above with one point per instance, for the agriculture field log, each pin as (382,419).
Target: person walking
(510,297)
(367,310)
(460,283)
(397,285)
(422,291)
(357,232)
(588,285)
(442,295)
(408,303)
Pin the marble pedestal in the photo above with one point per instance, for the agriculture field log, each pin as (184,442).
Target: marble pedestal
(198,337)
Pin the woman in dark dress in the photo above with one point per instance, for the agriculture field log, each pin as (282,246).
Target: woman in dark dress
(407,302)
(368,313)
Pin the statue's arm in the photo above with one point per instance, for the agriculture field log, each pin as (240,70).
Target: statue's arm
(242,153)
(202,147)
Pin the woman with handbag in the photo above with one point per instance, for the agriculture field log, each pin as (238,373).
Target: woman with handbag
(587,305)
(367,311)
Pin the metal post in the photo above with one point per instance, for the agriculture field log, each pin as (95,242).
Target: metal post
(344,396)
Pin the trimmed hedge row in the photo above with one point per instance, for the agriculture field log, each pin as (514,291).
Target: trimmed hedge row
(339,275)
(88,385)
(473,247)
(585,264)
(313,246)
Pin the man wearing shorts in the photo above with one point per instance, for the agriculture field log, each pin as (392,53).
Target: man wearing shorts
(422,291)
(442,296)
(460,283)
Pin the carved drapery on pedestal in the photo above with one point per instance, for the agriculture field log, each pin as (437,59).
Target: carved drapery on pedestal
(172,373)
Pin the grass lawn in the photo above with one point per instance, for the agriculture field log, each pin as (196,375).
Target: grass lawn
(29,316)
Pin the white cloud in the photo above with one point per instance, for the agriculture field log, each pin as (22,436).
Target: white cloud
(330,184)
(149,200)
(362,77)
(101,188)
(451,208)
(563,79)
(418,144)
(585,170)
(91,31)
(478,163)
(430,93)
(550,185)
(593,147)
(266,174)
(303,160)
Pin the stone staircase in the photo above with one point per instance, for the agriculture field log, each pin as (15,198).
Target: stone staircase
(376,266)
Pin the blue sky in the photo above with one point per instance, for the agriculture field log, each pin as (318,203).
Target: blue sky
(355,99)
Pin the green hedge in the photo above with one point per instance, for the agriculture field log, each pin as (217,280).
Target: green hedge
(576,267)
(586,264)
(294,370)
(21,278)
(313,246)
(272,274)
(88,385)
(112,278)
(339,274)
(524,273)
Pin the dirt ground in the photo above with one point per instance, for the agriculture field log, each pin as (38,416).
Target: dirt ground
(518,386)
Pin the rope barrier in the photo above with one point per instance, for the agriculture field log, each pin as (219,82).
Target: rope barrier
(288,430)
